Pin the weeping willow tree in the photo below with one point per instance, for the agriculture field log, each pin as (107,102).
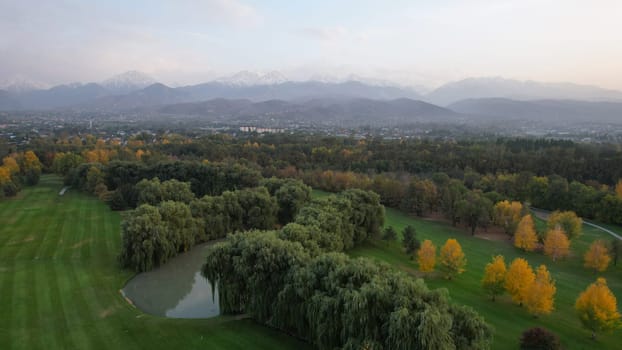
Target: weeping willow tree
(334,301)
(250,269)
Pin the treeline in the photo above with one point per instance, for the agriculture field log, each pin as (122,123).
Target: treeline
(296,279)
(170,220)
(549,174)
(543,157)
(18,169)
(425,194)
(116,182)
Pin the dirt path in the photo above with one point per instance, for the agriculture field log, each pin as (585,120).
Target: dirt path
(544,215)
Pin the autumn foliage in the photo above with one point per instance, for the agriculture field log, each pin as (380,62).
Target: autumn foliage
(426,256)
(494,276)
(556,244)
(507,215)
(540,294)
(567,221)
(597,308)
(597,257)
(525,237)
(452,258)
(518,279)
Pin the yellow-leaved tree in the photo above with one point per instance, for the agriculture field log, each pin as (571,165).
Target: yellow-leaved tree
(494,276)
(556,244)
(597,308)
(452,258)
(518,280)
(426,256)
(5,175)
(619,188)
(597,257)
(541,293)
(11,163)
(507,215)
(525,237)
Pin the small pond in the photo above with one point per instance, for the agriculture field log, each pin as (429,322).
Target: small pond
(177,289)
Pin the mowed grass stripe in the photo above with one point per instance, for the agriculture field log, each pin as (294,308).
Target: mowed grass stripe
(55,327)
(72,306)
(79,234)
(22,285)
(43,312)
(50,231)
(7,276)
(17,237)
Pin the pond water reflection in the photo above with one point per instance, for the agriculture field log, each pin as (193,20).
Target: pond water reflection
(177,289)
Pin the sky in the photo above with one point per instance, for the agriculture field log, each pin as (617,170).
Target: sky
(409,42)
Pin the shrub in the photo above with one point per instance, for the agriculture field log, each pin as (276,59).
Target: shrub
(538,338)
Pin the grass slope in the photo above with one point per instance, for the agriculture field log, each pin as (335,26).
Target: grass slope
(509,320)
(59,284)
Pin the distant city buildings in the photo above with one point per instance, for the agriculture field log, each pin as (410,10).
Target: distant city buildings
(261,130)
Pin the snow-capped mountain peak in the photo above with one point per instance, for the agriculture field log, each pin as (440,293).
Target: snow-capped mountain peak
(128,81)
(248,78)
(19,84)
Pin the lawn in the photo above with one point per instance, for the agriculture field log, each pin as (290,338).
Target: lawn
(59,284)
(509,320)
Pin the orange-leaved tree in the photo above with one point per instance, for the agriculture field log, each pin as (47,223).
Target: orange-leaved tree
(597,308)
(541,293)
(494,276)
(597,257)
(556,244)
(525,237)
(518,280)
(426,256)
(452,258)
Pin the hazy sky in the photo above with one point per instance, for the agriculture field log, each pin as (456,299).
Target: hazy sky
(412,42)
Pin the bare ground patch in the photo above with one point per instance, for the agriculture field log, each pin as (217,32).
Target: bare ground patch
(81,243)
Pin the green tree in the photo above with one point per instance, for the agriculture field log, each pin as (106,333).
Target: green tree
(409,240)
(475,210)
(452,195)
(615,249)
(389,234)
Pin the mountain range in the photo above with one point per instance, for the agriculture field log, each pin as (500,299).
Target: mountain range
(356,111)
(135,89)
(251,94)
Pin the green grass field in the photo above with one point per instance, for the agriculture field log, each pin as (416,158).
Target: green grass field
(509,320)
(59,284)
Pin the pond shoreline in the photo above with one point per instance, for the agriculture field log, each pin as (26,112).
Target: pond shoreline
(176,289)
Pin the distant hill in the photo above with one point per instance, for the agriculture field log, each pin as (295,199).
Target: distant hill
(343,111)
(7,102)
(153,95)
(559,111)
(474,88)
(61,96)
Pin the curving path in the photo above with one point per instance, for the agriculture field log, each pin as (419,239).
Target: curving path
(544,214)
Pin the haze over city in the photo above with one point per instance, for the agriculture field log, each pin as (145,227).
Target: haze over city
(412,43)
